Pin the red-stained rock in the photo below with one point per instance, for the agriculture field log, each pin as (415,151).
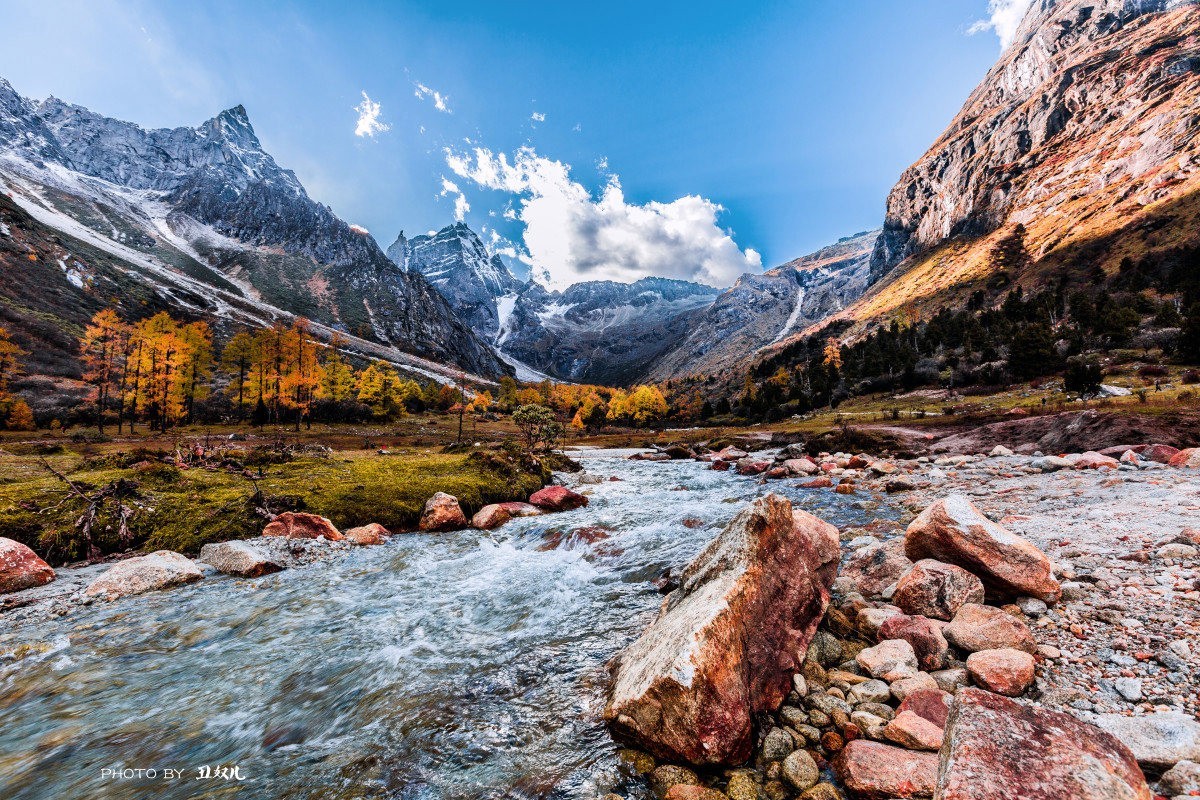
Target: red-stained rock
(731,454)
(956,532)
(909,729)
(775,473)
(298,525)
(748,466)
(936,590)
(1093,460)
(720,465)
(727,642)
(20,567)
(844,487)
(1160,453)
(977,627)
(932,704)
(557,498)
(873,771)
(923,634)
(877,566)
(817,483)
(801,466)
(1189,458)
(442,513)
(490,517)
(998,749)
(518,509)
(369,534)
(1004,671)
(858,462)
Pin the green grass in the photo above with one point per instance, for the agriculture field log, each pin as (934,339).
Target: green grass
(183,509)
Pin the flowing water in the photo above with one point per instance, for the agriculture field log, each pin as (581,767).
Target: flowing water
(467,665)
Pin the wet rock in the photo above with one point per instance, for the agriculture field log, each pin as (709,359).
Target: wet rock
(923,634)
(367,535)
(998,749)
(726,643)
(890,660)
(239,558)
(519,509)
(490,517)
(874,771)
(956,532)
(161,569)
(1004,671)
(936,590)
(798,467)
(800,770)
(750,466)
(914,732)
(557,498)
(1181,779)
(299,525)
(1158,741)
(663,778)
(877,566)
(977,627)
(443,513)
(817,483)
(683,791)
(20,567)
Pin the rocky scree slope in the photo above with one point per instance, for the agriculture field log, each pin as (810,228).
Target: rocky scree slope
(1085,132)
(208,209)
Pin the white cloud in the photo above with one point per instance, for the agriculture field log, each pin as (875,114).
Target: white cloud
(571,236)
(461,206)
(440,101)
(360,230)
(538,116)
(1004,18)
(368,118)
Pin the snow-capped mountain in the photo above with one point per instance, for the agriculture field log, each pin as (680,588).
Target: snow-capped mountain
(208,219)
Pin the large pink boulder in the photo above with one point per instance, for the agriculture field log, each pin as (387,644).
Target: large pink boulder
(1093,460)
(728,641)
(442,513)
(370,534)
(923,634)
(936,590)
(956,532)
(490,517)
(519,509)
(873,771)
(1160,453)
(976,627)
(20,567)
(557,498)
(1189,458)
(999,749)
(298,525)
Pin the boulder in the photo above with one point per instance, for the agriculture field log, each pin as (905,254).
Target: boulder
(731,454)
(1181,779)
(726,642)
(914,732)
(557,498)
(1004,671)
(891,660)
(956,532)
(800,770)
(519,509)
(490,517)
(923,634)
(800,466)
(936,590)
(298,525)
(1158,741)
(877,566)
(370,534)
(999,749)
(1159,453)
(896,485)
(20,567)
(874,771)
(443,513)
(161,569)
(1093,460)
(817,483)
(238,558)
(977,627)
(1189,458)
(932,704)
(750,466)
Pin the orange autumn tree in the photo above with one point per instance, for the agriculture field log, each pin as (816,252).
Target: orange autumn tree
(16,414)
(102,351)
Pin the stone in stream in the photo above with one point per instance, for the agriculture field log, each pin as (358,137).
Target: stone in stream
(873,771)
(238,558)
(442,513)
(936,590)
(727,642)
(370,534)
(519,509)
(956,532)
(161,569)
(999,749)
(977,627)
(299,525)
(490,517)
(20,567)
(557,498)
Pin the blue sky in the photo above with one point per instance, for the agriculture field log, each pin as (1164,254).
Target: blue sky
(794,118)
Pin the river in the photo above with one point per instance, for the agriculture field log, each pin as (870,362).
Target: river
(466,665)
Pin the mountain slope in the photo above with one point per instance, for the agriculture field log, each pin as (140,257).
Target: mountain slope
(760,310)
(209,209)
(1085,132)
